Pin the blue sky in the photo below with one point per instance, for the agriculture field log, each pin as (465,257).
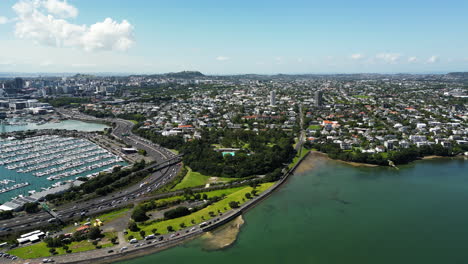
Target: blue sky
(229,37)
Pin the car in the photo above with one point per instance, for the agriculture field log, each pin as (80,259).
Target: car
(172,236)
(192,229)
(161,238)
(123,248)
(110,251)
(133,241)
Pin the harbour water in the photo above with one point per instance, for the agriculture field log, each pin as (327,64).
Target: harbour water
(336,213)
(37,163)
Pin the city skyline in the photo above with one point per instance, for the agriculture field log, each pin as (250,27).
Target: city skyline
(232,38)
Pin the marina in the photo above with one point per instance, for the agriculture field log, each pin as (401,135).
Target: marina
(36,164)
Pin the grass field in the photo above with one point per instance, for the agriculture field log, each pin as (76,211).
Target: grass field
(107,217)
(193,179)
(210,194)
(314,127)
(202,215)
(40,250)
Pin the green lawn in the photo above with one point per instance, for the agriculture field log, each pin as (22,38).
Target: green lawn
(107,217)
(134,122)
(40,250)
(210,194)
(193,179)
(314,127)
(202,215)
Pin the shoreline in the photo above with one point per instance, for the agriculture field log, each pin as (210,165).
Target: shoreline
(148,250)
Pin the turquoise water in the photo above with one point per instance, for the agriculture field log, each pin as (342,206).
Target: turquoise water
(67,124)
(36,183)
(41,182)
(338,214)
(229,153)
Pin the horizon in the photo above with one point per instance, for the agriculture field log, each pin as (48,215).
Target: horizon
(124,74)
(298,37)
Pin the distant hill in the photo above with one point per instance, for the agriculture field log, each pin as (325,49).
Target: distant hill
(459,75)
(178,75)
(185,74)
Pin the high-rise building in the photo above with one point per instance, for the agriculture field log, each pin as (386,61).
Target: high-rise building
(19,83)
(318,98)
(272,98)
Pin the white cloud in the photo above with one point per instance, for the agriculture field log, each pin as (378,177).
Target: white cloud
(36,22)
(357,56)
(61,9)
(222,58)
(3,20)
(300,60)
(388,57)
(433,59)
(412,59)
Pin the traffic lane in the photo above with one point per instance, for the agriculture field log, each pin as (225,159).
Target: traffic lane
(20,225)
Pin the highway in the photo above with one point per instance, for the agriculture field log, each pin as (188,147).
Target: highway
(130,195)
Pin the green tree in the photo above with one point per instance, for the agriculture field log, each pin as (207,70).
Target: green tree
(132,226)
(94,233)
(31,208)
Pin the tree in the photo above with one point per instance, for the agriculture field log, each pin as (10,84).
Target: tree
(234,204)
(248,196)
(154,230)
(139,214)
(205,197)
(177,212)
(31,208)
(94,233)
(170,229)
(142,233)
(182,225)
(133,226)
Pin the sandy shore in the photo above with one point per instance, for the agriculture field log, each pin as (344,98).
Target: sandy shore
(224,236)
(432,157)
(315,156)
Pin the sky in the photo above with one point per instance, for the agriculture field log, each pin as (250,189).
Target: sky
(234,37)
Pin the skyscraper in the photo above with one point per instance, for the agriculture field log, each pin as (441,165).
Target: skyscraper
(272,98)
(318,98)
(19,83)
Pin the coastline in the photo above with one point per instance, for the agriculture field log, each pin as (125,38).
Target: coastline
(101,256)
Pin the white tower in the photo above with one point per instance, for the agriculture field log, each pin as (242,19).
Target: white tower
(272,98)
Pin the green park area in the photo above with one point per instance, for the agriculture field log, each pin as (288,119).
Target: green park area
(314,127)
(40,250)
(222,206)
(193,179)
